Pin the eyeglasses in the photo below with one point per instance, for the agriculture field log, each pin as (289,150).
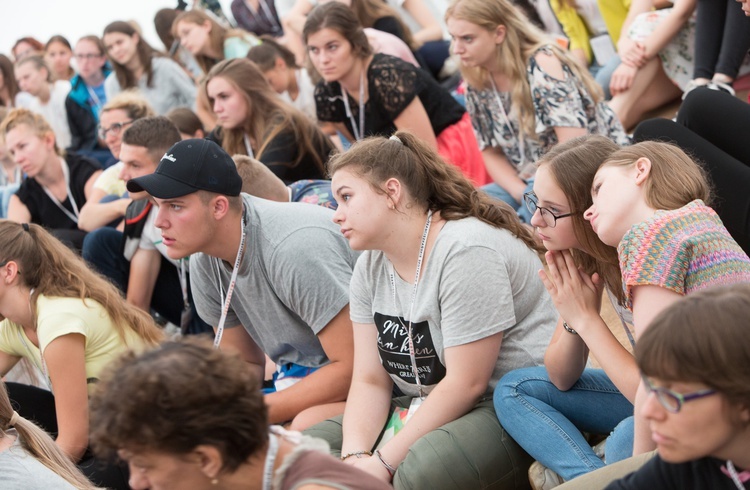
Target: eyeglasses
(671,400)
(88,56)
(116,128)
(532,204)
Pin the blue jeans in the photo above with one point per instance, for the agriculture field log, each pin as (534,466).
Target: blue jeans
(547,422)
(604,75)
(494,190)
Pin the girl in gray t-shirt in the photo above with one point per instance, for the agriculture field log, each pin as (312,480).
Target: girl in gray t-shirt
(444,300)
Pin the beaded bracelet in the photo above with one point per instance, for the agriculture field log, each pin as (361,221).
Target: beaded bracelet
(570,330)
(391,470)
(358,454)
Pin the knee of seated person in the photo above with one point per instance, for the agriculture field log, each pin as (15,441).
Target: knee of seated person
(96,242)
(471,452)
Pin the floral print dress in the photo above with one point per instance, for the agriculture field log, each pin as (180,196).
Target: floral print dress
(557,103)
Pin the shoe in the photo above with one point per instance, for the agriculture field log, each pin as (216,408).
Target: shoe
(543,478)
(722,87)
(692,85)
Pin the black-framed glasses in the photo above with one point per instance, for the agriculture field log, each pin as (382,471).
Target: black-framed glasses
(532,204)
(116,128)
(671,400)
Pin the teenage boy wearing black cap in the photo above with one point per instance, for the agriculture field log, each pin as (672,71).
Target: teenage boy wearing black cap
(280,270)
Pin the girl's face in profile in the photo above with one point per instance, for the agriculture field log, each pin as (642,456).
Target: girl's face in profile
(30,78)
(705,426)
(331,54)
(363,214)
(615,195)
(228,103)
(555,234)
(194,37)
(278,76)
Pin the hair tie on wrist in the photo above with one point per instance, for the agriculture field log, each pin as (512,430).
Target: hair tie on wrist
(570,330)
(13,419)
(25,226)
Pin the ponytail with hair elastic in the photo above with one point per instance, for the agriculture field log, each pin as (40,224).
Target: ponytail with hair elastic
(431,182)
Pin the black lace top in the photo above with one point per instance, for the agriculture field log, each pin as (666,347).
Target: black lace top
(393,85)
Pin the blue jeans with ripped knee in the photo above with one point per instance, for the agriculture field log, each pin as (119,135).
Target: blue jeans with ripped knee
(547,422)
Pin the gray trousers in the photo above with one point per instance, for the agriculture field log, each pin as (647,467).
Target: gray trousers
(472,452)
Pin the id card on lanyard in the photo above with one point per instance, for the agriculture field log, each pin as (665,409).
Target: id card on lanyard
(400,415)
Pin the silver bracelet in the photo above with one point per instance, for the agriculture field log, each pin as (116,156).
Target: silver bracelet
(570,330)
(391,470)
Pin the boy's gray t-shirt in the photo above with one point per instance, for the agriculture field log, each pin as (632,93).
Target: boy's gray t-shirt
(478,280)
(293,280)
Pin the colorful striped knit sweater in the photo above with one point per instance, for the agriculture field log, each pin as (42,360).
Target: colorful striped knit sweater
(683,250)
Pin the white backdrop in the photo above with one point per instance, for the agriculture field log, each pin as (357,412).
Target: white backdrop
(76,18)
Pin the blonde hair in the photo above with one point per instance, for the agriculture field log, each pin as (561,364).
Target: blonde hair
(674,180)
(34,121)
(522,40)
(259,181)
(40,445)
(132,102)
(52,269)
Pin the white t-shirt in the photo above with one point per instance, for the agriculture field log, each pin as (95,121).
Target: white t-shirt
(54,111)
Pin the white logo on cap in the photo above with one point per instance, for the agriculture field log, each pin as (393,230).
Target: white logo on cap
(169,157)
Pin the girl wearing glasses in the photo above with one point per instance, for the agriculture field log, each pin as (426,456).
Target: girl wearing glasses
(87,98)
(70,323)
(137,65)
(57,185)
(697,393)
(546,408)
(524,93)
(444,300)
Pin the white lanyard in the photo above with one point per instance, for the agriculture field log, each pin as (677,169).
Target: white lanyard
(182,273)
(230,288)
(273,450)
(248,146)
(266,10)
(412,351)
(519,138)
(359,132)
(96,99)
(734,476)
(66,174)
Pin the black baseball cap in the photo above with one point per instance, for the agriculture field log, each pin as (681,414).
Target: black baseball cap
(189,166)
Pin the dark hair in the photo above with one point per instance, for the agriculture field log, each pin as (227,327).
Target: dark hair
(36,44)
(57,38)
(269,115)
(156,133)
(186,120)
(702,338)
(340,18)
(176,397)
(163,21)
(430,181)
(144,51)
(573,165)
(264,55)
(9,79)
